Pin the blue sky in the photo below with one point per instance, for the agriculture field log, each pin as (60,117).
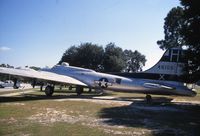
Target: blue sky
(37,32)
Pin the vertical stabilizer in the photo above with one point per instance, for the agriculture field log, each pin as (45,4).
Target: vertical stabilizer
(171,63)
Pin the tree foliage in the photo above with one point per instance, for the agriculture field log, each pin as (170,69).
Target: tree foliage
(172,29)
(110,59)
(86,55)
(191,35)
(35,68)
(6,65)
(113,58)
(134,61)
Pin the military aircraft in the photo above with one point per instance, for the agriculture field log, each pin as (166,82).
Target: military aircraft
(161,79)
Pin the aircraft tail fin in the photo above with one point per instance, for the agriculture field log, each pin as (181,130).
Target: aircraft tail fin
(171,63)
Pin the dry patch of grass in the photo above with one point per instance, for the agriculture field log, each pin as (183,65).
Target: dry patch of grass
(116,114)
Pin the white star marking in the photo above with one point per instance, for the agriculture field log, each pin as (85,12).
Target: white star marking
(103,83)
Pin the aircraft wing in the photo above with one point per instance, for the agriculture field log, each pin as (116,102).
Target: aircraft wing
(42,75)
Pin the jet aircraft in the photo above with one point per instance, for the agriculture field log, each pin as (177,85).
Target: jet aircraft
(161,79)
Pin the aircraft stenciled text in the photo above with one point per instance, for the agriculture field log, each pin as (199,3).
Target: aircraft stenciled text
(165,67)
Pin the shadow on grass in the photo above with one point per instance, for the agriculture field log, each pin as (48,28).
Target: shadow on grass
(71,94)
(58,95)
(160,118)
(143,99)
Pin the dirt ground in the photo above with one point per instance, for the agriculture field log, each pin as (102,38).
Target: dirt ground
(93,114)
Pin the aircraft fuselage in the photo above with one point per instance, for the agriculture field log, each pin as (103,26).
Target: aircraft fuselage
(105,81)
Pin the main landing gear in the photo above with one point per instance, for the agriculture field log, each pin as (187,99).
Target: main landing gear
(15,86)
(49,90)
(148,98)
(79,90)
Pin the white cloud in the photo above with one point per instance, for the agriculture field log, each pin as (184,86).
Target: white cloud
(3,48)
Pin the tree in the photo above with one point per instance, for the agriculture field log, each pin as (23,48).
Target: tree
(113,58)
(70,56)
(87,55)
(3,65)
(6,66)
(134,61)
(191,35)
(110,59)
(172,29)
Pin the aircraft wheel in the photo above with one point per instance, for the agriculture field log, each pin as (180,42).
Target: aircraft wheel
(70,87)
(90,90)
(15,87)
(99,91)
(61,87)
(148,98)
(49,90)
(79,90)
(15,84)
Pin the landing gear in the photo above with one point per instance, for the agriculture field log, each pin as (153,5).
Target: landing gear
(41,86)
(49,90)
(70,87)
(90,90)
(61,86)
(15,84)
(100,91)
(33,83)
(148,98)
(79,90)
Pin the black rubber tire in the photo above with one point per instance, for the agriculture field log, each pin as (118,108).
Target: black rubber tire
(49,90)
(79,90)
(90,90)
(15,87)
(70,87)
(148,98)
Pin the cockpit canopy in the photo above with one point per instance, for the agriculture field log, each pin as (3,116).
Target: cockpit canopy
(66,67)
(65,64)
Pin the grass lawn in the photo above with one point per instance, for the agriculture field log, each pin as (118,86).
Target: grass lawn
(64,113)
